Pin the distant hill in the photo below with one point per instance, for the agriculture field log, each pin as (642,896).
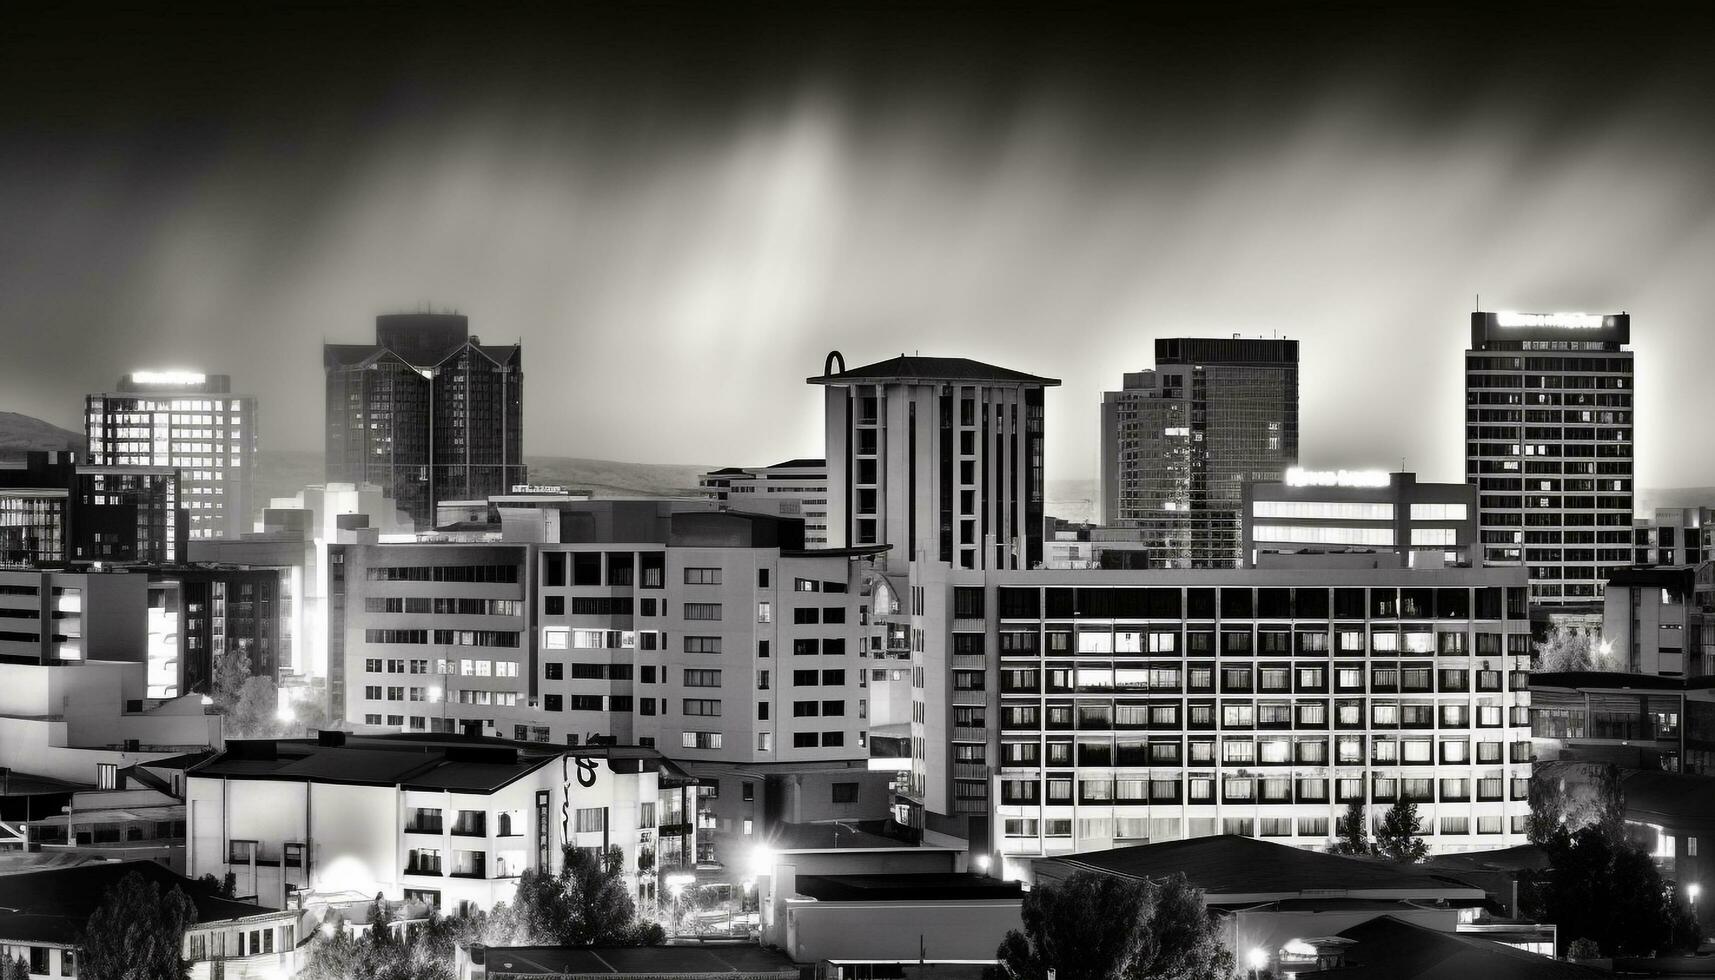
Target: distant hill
(22,433)
(284,473)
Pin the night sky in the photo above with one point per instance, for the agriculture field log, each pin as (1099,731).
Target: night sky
(679,209)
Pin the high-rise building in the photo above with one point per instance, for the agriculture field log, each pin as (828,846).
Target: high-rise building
(54,511)
(1548,444)
(428,412)
(1064,711)
(940,458)
(1179,442)
(186,420)
(794,488)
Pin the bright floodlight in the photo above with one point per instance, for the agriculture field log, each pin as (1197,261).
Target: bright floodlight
(284,711)
(678,883)
(762,860)
(1694,890)
(983,863)
(1258,958)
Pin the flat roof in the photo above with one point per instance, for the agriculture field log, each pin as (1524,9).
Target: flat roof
(744,958)
(905,887)
(1227,866)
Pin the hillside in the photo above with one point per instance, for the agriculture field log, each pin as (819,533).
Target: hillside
(284,473)
(22,433)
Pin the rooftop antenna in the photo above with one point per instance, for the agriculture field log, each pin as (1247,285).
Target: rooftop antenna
(1479,302)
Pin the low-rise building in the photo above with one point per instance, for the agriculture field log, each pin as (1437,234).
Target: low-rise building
(43,913)
(59,511)
(793,488)
(1672,536)
(1661,620)
(1357,519)
(447,821)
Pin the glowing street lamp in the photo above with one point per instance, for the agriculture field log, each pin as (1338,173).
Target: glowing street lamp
(1258,959)
(762,860)
(983,863)
(1692,891)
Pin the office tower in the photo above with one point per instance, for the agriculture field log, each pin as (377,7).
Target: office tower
(1116,707)
(1548,444)
(1358,519)
(940,458)
(54,511)
(428,412)
(1179,441)
(794,488)
(186,420)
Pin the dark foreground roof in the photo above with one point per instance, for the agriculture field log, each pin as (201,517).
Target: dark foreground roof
(1386,948)
(954,369)
(905,887)
(744,960)
(52,906)
(1676,799)
(1232,865)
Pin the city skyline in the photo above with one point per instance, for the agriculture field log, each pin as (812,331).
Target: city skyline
(828,186)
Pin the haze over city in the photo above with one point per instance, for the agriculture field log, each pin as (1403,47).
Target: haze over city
(679,214)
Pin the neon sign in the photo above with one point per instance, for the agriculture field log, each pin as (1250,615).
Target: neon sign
(1563,321)
(167,378)
(1298,476)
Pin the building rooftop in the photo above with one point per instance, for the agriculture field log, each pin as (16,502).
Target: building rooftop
(655,961)
(1230,869)
(1389,948)
(957,370)
(1614,680)
(51,906)
(433,762)
(1673,799)
(905,887)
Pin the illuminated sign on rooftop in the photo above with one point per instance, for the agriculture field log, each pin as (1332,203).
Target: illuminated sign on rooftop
(1298,476)
(1563,321)
(168,378)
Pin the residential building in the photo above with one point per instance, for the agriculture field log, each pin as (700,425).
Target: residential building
(54,511)
(136,816)
(711,634)
(1672,536)
(188,421)
(1358,519)
(1180,440)
(451,822)
(60,616)
(1059,712)
(939,458)
(888,920)
(742,806)
(728,961)
(1661,620)
(428,412)
(1548,444)
(794,488)
(43,914)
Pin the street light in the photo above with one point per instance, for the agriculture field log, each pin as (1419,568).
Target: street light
(983,863)
(1258,960)
(1692,891)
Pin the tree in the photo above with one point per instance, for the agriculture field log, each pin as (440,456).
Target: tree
(1568,648)
(1354,831)
(1397,839)
(224,886)
(1601,886)
(136,933)
(1100,927)
(230,673)
(257,712)
(14,969)
(586,904)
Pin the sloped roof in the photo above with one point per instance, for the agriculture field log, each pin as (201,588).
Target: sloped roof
(51,906)
(951,369)
(1389,948)
(1228,865)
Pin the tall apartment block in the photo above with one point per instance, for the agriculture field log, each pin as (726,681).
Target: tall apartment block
(794,488)
(428,412)
(186,420)
(940,458)
(54,511)
(1180,441)
(1548,444)
(1064,711)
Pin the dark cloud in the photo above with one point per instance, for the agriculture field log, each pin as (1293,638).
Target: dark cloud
(679,208)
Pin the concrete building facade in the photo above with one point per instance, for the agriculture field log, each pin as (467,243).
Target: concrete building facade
(189,421)
(939,458)
(1548,445)
(793,488)
(1356,519)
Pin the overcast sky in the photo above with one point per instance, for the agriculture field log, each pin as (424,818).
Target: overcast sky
(679,209)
